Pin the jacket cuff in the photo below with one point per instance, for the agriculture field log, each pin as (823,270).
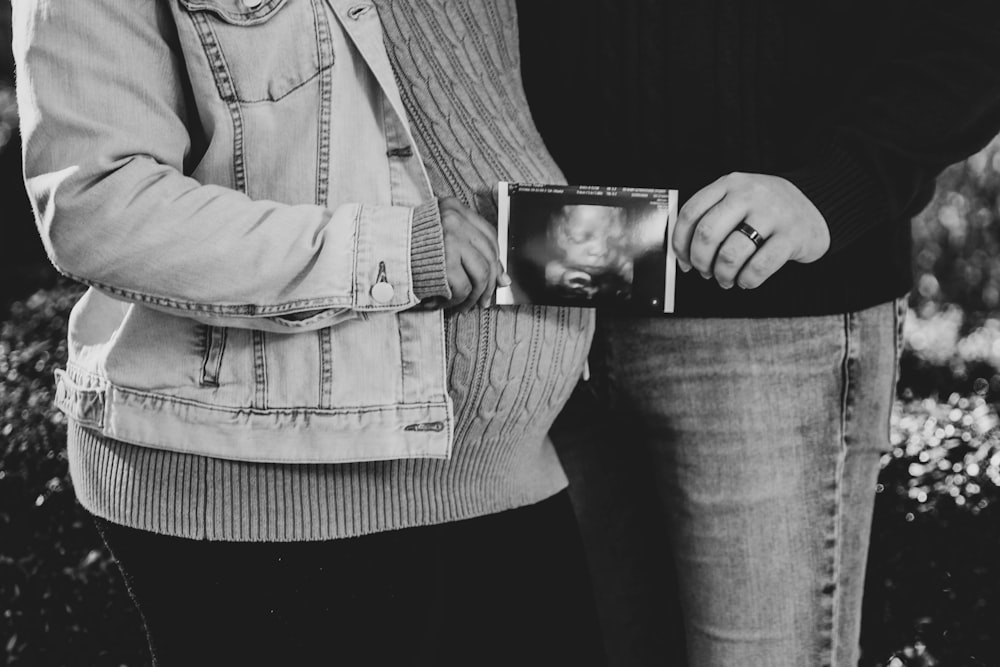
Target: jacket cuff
(845,192)
(427,263)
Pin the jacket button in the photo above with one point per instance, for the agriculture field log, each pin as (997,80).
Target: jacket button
(382,292)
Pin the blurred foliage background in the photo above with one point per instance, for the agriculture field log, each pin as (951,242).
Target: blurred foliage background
(933,588)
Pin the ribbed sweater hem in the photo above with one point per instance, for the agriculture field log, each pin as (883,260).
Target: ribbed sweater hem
(201,498)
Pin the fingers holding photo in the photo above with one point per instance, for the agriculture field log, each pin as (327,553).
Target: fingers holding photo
(689,216)
(748,222)
(471,256)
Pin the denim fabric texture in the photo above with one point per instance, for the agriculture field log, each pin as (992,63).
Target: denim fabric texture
(336,424)
(274,130)
(760,440)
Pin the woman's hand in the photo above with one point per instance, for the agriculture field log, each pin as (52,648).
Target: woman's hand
(791,228)
(472,257)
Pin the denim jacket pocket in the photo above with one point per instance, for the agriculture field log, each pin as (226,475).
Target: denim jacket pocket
(213,348)
(262,50)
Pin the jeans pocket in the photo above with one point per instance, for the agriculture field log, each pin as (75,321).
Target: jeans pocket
(262,50)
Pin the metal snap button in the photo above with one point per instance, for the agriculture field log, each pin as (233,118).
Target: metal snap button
(382,292)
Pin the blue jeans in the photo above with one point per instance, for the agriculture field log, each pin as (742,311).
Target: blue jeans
(751,447)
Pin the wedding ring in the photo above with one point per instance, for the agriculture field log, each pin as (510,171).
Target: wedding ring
(750,233)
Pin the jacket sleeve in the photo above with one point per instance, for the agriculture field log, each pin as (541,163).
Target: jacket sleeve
(101,92)
(930,103)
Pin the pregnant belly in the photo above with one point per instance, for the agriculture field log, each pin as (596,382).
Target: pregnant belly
(511,368)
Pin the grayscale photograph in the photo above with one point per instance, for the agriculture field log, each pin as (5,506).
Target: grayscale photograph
(500,333)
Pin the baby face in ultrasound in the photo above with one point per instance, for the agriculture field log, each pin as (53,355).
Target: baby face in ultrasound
(589,243)
(589,238)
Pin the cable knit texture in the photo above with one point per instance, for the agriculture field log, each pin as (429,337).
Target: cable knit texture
(510,369)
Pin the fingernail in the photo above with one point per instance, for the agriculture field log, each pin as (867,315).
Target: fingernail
(684,266)
(726,285)
(706,276)
(504,280)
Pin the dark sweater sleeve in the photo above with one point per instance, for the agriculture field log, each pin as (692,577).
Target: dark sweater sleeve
(933,101)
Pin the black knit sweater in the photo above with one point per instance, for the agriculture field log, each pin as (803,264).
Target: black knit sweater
(860,103)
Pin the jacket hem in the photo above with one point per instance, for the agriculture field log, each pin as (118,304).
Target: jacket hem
(275,435)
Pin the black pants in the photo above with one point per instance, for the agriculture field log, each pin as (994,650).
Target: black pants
(505,589)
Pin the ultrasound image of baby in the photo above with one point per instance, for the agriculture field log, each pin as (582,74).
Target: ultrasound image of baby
(590,247)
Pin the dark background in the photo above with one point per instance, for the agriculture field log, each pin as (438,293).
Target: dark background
(933,590)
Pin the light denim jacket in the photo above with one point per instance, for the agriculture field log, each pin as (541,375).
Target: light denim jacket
(232,178)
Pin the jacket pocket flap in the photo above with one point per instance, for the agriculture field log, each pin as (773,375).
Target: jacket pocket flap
(237,12)
(84,405)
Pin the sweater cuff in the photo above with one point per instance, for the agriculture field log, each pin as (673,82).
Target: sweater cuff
(427,264)
(845,192)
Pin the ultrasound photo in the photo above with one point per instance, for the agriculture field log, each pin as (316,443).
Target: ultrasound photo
(589,246)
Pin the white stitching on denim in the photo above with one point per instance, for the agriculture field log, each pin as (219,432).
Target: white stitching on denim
(260,369)
(325,338)
(324,48)
(254,16)
(245,310)
(845,409)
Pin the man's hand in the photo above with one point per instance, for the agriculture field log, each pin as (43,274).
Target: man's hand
(472,257)
(793,229)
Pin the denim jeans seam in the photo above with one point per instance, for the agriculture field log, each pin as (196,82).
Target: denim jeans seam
(899,313)
(831,590)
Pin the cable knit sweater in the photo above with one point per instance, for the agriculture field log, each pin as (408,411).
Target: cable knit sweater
(510,369)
